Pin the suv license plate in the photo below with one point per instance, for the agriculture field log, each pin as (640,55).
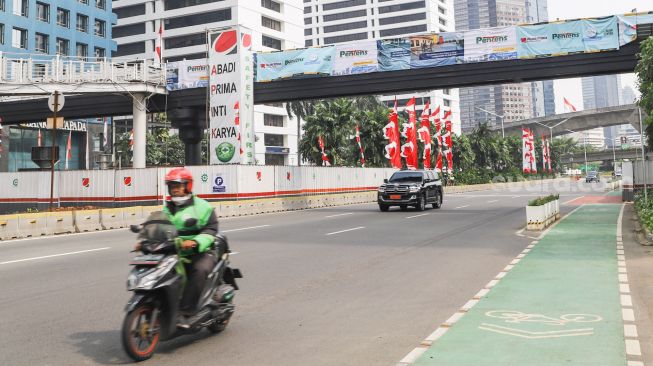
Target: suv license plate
(395,196)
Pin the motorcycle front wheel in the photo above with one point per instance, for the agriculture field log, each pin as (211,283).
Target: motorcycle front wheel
(139,336)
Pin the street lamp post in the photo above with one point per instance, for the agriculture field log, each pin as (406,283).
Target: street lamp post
(641,139)
(503,132)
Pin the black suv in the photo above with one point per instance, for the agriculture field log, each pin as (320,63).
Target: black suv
(411,188)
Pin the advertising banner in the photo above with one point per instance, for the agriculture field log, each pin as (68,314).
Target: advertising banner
(355,58)
(627,29)
(600,34)
(393,54)
(439,49)
(554,39)
(295,63)
(231,112)
(492,44)
(187,74)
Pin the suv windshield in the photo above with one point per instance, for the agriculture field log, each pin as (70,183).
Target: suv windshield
(591,174)
(406,177)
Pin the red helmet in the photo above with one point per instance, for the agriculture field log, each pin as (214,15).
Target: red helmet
(181,175)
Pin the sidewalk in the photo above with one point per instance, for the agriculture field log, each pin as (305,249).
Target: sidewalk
(564,301)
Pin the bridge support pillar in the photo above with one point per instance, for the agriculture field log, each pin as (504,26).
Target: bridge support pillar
(190,123)
(140,127)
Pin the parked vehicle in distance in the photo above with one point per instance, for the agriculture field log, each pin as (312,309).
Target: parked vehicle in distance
(592,176)
(416,188)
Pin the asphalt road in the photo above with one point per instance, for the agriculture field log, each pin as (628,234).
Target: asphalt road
(344,285)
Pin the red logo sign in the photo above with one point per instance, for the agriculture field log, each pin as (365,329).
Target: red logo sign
(247,40)
(258,175)
(86,182)
(288,176)
(226,42)
(127,181)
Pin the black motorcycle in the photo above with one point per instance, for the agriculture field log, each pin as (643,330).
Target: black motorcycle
(158,279)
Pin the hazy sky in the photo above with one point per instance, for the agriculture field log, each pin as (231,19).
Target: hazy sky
(571,9)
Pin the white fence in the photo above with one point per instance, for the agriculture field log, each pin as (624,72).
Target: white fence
(117,188)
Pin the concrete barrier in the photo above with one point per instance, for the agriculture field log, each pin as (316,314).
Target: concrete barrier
(132,216)
(9,227)
(34,224)
(111,218)
(87,220)
(60,222)
(147,210)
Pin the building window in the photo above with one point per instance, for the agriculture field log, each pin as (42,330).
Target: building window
(130,11)
(21,8)
(82,50)
(2,5)
(400,7)
(100,52)
(192,56)
(63,18)
(402,30)
(271,23)
(62,47)
(101,4)
(307,10)
(185,41)
(308,31)
(100,28)
(272,120)
(128,30)
(345,26)
(197,19)
(274,159)
(346,38)
(343,4)
(402,19)
(176,4)
(442,21)
(272,5)
(82,23)
(2,33)
(126,49)
(273,140)
(43,12)
(345,15)
(308,43)
(19,38)
(308,20)
(271,42)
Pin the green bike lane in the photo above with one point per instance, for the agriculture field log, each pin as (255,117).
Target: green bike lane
(558,305)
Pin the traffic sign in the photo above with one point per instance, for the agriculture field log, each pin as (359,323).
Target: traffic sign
(60,102)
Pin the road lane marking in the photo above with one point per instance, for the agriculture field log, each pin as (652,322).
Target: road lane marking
(492,201)
(56,236)
(344,231)
(244,228)
(342,214)
(572,200)
(461,207)
(54,255)
(412,217)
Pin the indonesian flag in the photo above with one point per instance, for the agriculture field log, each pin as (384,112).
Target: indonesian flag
(424,135)
(526,150)
(449,142)
(69,150)
(131,144)
(409,149)
(391,133)
(533,153)
(438,136)
(105,136)
(159,48)
(360,146)
(325,159)
(545,154)
(548,155)
(39,140)
(568,106)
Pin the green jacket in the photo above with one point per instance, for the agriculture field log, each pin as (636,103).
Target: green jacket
(203,232)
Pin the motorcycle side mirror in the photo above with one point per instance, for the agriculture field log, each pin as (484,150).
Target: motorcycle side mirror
(135,228)
(190,222)
(385,181)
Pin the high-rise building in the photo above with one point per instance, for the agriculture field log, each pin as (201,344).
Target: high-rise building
(335,21)
(275,25)
(601,92)
(68,29)
(543,94)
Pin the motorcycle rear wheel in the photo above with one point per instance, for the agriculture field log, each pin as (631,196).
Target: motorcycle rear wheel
(137,339)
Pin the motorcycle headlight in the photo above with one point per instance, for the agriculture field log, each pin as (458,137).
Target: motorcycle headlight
(414,189)
(147,281)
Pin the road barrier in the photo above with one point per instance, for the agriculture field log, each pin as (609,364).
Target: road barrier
(87,220)
(112,218)
(9,227)
(60,223)
(34,224)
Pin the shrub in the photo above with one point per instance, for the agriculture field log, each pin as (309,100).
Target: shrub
(543,200)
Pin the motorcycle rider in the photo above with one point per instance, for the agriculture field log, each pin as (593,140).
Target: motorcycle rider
(197,239)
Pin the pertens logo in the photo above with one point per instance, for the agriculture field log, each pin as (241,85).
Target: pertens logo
(565,35)
(353,53)
(289,62)
(492,39)
(225,151)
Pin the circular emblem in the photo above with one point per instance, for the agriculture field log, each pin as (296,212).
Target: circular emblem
(226,42)
(591,32)
(127,181)
(247,40)
(15,182)
(225,151)
(205,177)
(218,181)
(86,182)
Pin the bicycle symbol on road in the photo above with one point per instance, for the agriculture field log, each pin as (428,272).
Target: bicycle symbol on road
(517,317)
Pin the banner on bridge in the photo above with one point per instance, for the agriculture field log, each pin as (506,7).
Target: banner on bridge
(393,54)
(187,74)
(438,49)
(355,58)
(492,44)
(231,98)
(600,34)
(295,63)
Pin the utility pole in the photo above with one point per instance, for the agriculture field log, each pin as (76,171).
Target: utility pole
(55,106)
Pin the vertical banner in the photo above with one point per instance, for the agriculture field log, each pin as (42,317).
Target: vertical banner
(231,97)
(437,123)
(531,145)
(526,151)
(391,133)
(409,149)
(424,135)
(449,142)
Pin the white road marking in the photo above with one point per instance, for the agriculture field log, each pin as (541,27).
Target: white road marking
(244,228)
(572,200)
(342,214)
(344,231)
(54,255)
(628,315)
(461,207)
(412,217)
(632,347)
(630,330)
(492,201)
(13,241)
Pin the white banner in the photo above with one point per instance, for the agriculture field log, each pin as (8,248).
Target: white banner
(355,58)
(187,74)
(492,44)
(231,112)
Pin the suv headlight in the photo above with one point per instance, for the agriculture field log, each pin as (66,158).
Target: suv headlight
(414,189)
(382,189)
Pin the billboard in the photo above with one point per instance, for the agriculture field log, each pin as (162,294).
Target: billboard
(355,58)
(295,63)
(393,54)
(600,34)
(553,39)
(438,49)
(231,97)
(492,44)
(187,74)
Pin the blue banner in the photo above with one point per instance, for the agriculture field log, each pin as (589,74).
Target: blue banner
(294,63)
(600,34)
(542,40)
(436,50)
(393,54)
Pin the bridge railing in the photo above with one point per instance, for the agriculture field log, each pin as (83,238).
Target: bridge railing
(30,69)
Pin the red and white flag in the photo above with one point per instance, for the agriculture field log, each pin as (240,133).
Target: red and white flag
(69,150)
(533,153)
(325,158)
(526,150)
(409,148)
(131,144)
(548,155)
(360,146)
(39,140)
(545,154)
(424,135)
(391,133)
(438,136)
(448,141)
(159,48)
(105,136)
(568,106)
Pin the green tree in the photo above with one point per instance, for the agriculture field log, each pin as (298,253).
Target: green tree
(644,72)
(162,148)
